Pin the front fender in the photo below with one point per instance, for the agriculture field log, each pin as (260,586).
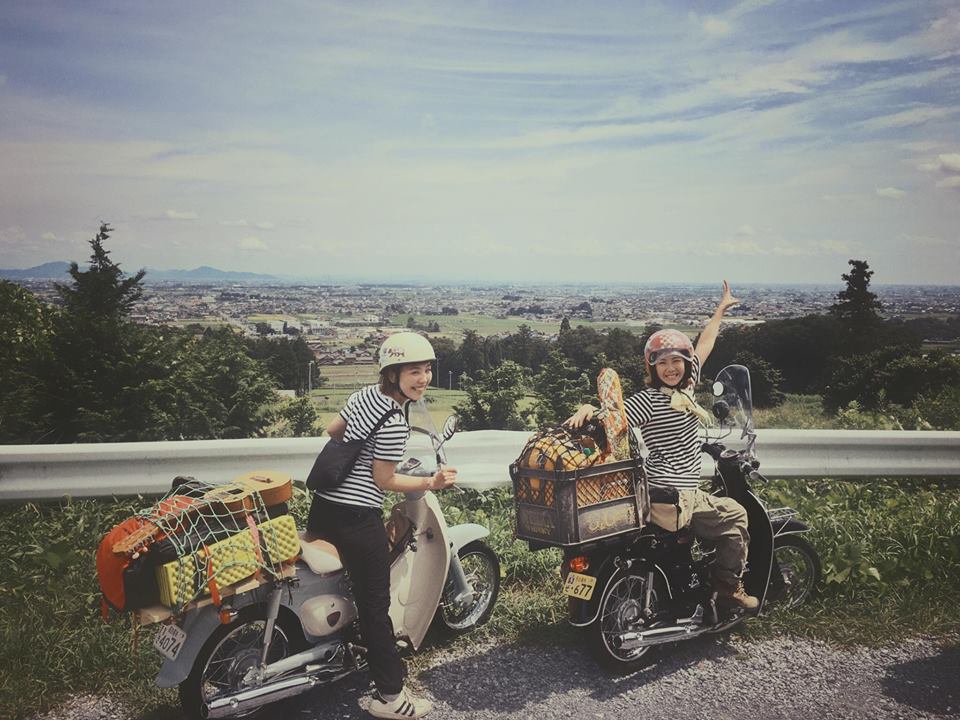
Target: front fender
(463,535)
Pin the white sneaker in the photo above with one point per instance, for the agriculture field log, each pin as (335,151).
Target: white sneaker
(404,707)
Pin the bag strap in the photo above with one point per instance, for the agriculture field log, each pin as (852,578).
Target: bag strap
(383,419)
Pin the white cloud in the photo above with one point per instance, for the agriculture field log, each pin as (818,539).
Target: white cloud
(891,192)
(951,182)
(906,118)
(233,223)
(48,236)
(718,27)
(929,167)
(179,215)
(265,226)
(13,235)
(950,162)
(252,243)
(924,239)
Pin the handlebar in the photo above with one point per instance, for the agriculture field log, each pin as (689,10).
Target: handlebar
(714,450)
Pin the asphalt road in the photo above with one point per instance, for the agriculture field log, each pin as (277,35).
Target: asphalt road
(713,678)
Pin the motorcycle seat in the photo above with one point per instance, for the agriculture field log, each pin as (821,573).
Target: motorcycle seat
(320,556)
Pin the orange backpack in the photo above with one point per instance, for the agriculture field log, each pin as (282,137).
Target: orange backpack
(126,581)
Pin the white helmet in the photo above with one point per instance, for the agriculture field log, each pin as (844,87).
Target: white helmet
(405,347)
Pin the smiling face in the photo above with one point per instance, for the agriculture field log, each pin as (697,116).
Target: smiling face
(414,379)
(671,370)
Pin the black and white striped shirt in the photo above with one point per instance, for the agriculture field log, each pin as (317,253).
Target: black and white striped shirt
(363,410)
(672,437)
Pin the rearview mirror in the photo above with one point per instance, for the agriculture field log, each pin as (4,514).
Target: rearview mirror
(721,410)
(450,426)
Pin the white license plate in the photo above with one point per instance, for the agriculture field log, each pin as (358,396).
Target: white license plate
(579,586)
(169,641)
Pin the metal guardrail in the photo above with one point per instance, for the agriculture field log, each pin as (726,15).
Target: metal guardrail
(44,472)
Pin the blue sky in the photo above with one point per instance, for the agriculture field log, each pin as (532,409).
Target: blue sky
(758,141)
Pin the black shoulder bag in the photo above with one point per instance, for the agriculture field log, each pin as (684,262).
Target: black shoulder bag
(338,457)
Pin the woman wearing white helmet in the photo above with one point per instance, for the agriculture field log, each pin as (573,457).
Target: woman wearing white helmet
(351,514)
(668,417)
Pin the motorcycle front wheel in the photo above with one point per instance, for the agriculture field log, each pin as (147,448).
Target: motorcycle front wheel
(228,654)
(622,611)
(482,569)
(800,568)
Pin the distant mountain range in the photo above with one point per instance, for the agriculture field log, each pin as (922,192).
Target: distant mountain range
(204,273)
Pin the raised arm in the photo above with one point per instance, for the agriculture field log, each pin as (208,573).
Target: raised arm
(710,331)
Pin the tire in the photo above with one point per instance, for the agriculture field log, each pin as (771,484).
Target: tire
(482,568)
(800,566)
(620,611)
(227,655)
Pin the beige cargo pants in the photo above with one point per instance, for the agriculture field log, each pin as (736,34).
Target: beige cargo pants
(720,520)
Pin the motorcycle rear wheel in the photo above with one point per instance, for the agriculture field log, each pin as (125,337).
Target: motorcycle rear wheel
(800,566)
(482,568)
(621,611)
(229,653)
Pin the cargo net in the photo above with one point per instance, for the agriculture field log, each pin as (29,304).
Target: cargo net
(207,537)
(560,449)
(557,448)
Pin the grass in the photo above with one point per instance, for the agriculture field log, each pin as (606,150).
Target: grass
(890,550)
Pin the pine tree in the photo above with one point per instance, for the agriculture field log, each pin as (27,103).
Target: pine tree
(856,305)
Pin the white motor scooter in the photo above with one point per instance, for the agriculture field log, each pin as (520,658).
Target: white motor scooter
(283,636)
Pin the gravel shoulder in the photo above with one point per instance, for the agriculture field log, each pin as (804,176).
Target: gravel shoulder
(714,678)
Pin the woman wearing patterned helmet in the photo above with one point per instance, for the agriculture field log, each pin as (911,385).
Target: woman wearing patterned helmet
(350,515)
(669,420)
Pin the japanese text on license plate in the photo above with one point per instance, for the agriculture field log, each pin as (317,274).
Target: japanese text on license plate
(579,586)
(169,641)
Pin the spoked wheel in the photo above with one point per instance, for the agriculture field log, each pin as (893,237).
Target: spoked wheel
(228,655)
(622,611)
(482,569)
(800,569)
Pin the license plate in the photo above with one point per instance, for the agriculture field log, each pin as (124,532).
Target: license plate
(579,586)
(169,641)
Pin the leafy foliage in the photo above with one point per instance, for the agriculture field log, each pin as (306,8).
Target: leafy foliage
(25,348)
(493,397)
(86,373)
(558,389)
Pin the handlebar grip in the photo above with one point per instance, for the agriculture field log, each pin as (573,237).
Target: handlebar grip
(712,449)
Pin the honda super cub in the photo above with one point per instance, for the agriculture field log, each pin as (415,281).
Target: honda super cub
(295,631)
(636,590)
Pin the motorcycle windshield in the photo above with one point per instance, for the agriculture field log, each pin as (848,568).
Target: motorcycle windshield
(733,397)
(421,421)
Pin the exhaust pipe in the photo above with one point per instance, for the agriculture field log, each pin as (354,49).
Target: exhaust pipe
(659,636)
(247,700)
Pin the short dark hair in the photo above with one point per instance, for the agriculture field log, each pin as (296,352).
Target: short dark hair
(390,379)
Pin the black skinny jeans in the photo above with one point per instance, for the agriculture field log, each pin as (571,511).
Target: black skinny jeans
(359,535)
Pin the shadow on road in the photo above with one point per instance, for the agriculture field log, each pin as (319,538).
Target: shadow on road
(931,685)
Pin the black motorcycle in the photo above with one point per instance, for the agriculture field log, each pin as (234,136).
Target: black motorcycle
(636,590)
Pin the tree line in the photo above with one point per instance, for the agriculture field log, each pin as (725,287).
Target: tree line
(854,359)
(82,371)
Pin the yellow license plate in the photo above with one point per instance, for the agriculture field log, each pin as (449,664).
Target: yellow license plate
(579,586)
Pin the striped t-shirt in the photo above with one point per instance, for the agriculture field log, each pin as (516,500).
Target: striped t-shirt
(363,410)
(672,437)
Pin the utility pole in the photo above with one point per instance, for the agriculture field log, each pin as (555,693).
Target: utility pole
(310,377)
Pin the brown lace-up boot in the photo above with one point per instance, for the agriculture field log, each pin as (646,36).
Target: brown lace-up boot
(735,596)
